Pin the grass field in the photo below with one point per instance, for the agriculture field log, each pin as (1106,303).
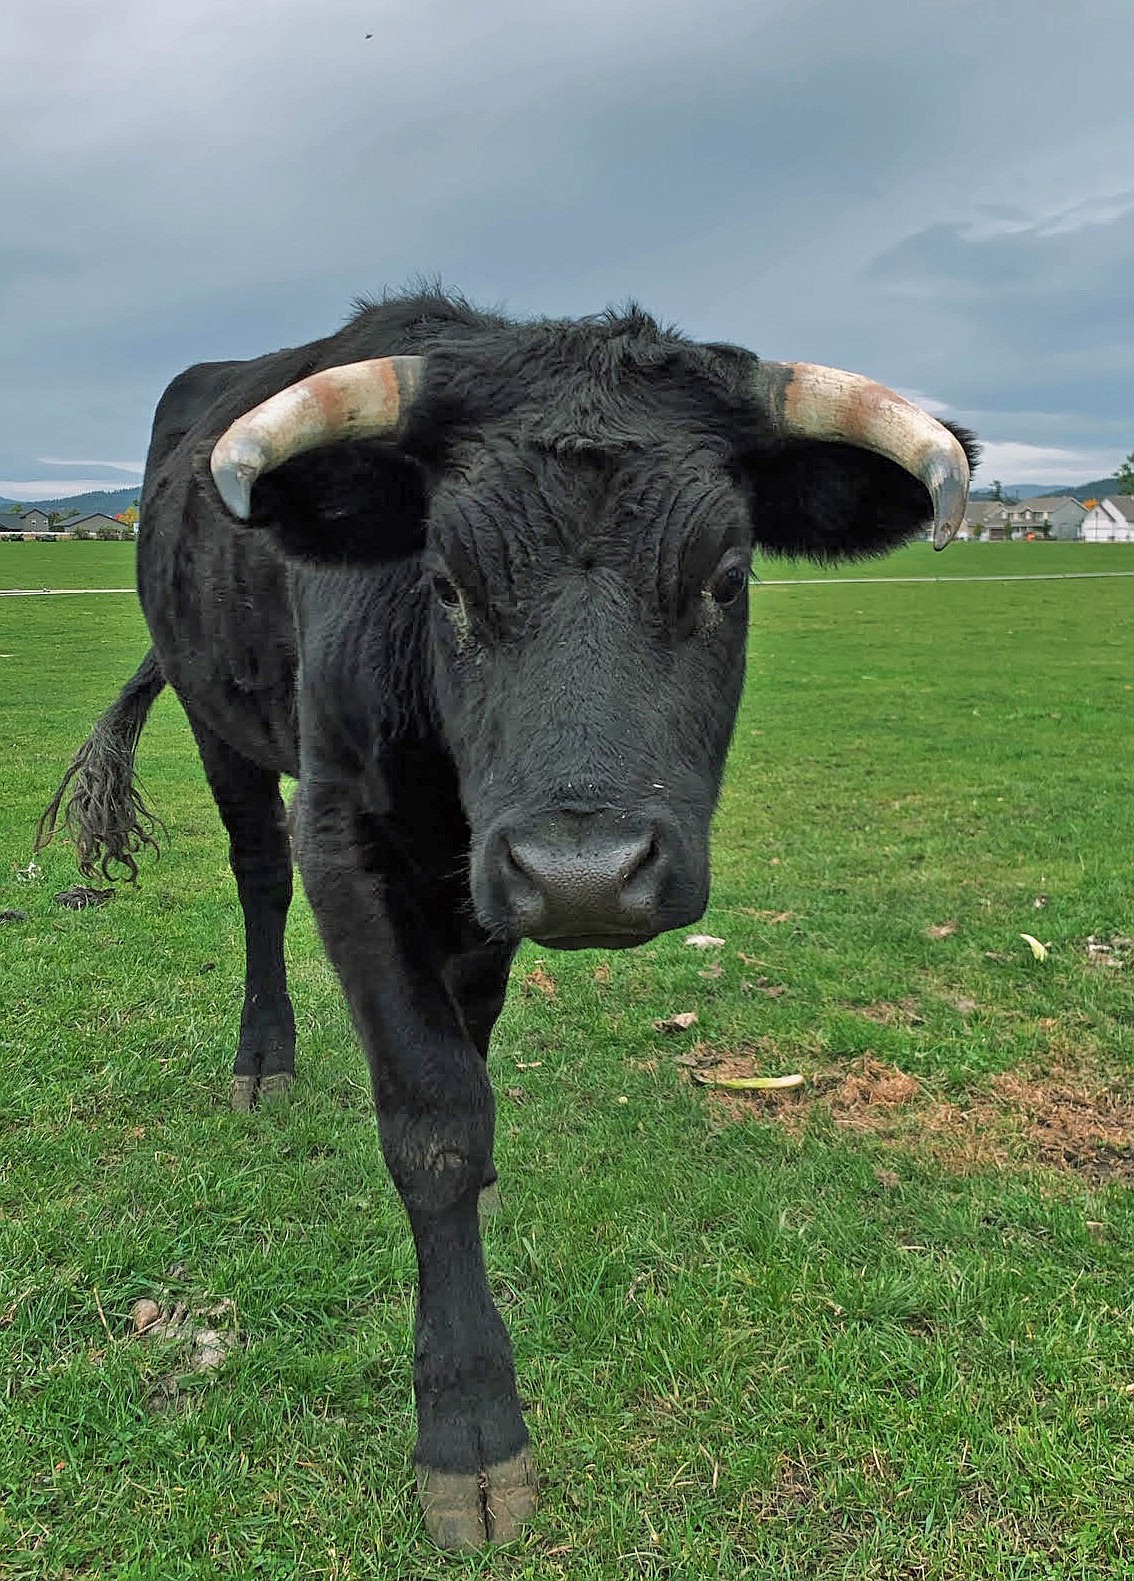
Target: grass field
(885,1330)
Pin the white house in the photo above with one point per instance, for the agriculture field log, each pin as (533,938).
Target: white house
(1110,521)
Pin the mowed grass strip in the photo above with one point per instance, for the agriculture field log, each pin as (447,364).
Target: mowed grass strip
(44,564)
(753,1339)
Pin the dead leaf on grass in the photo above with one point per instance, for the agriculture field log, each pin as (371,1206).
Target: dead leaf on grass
(711,1078)
(601,974)
(704,941)
(681,1022)
(888,1178)
(772,918)
(940,930)
(1040,951)
(713,971)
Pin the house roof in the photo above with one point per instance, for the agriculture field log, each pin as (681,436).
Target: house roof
(1047,502)
(10,522)
(978,512)
(1123,504)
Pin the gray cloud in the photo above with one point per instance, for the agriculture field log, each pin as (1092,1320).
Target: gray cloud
(933,194)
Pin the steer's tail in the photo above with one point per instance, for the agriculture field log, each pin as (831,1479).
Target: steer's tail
(105,814)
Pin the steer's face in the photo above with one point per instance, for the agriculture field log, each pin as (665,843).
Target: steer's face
(588,638)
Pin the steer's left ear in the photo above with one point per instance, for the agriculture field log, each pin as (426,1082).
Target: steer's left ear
(832,501)
(352,503)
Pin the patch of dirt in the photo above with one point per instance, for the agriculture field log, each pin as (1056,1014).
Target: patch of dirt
(1063,1117)
(906,1013)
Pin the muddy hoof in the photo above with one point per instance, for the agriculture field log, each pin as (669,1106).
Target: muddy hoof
(467,1509)
(488,1203)
(244,1093)
(277,1086)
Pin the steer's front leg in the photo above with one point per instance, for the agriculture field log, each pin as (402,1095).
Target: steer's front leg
(435,1115)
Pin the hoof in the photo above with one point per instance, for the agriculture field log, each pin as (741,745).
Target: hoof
(244,1093)
(488,1203)
(467,1509)
(275,1087)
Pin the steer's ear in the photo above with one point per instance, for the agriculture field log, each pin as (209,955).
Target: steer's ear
(832,501)
(351,503)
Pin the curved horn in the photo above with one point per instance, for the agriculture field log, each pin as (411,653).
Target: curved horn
(359,400)
(807,401)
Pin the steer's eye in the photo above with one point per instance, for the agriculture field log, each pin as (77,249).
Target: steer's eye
(728,584)
(447,591)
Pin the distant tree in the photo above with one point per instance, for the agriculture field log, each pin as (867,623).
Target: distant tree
(997,489)
(129,516)
(1124,477)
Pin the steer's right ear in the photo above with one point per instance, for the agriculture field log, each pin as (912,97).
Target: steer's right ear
(352,503)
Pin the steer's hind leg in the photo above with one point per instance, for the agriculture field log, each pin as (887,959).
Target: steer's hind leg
(248,799)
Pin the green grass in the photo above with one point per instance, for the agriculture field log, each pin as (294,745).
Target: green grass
(743,1352)
(69,565)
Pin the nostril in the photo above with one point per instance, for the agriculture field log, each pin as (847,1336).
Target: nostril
(642,856)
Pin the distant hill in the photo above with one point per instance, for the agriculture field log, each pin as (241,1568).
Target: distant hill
(109,501)
(1028,491)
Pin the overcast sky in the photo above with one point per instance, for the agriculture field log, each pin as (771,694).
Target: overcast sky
(939,193)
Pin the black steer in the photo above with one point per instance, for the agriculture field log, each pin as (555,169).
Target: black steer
(481,587)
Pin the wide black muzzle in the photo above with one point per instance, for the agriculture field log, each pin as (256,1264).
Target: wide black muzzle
(577,880)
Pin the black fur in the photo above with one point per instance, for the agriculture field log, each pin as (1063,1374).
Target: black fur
(503,662)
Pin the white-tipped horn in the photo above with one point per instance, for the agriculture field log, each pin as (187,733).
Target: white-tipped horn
(808,401)
(359,400)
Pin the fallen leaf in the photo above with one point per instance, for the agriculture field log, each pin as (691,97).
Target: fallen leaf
(529,1064)
(940,930)
(1039,902)
(888,1178)
(681,1022)
(773,918)
(715,970)
(517,1094)
(1039,950)
(704,941)
(601,973)
(748,1083)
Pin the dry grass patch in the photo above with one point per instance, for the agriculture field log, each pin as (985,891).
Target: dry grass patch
(1063,1117)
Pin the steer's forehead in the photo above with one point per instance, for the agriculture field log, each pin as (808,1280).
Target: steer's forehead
(512,503)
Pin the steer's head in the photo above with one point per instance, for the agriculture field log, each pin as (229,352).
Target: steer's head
(584,517)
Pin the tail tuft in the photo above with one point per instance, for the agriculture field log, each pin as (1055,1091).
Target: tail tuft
(105,814)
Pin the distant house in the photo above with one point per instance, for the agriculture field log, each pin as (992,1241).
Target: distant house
(88,526)
(981,516)
(24,521)
(1056,515)
(1111,520)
